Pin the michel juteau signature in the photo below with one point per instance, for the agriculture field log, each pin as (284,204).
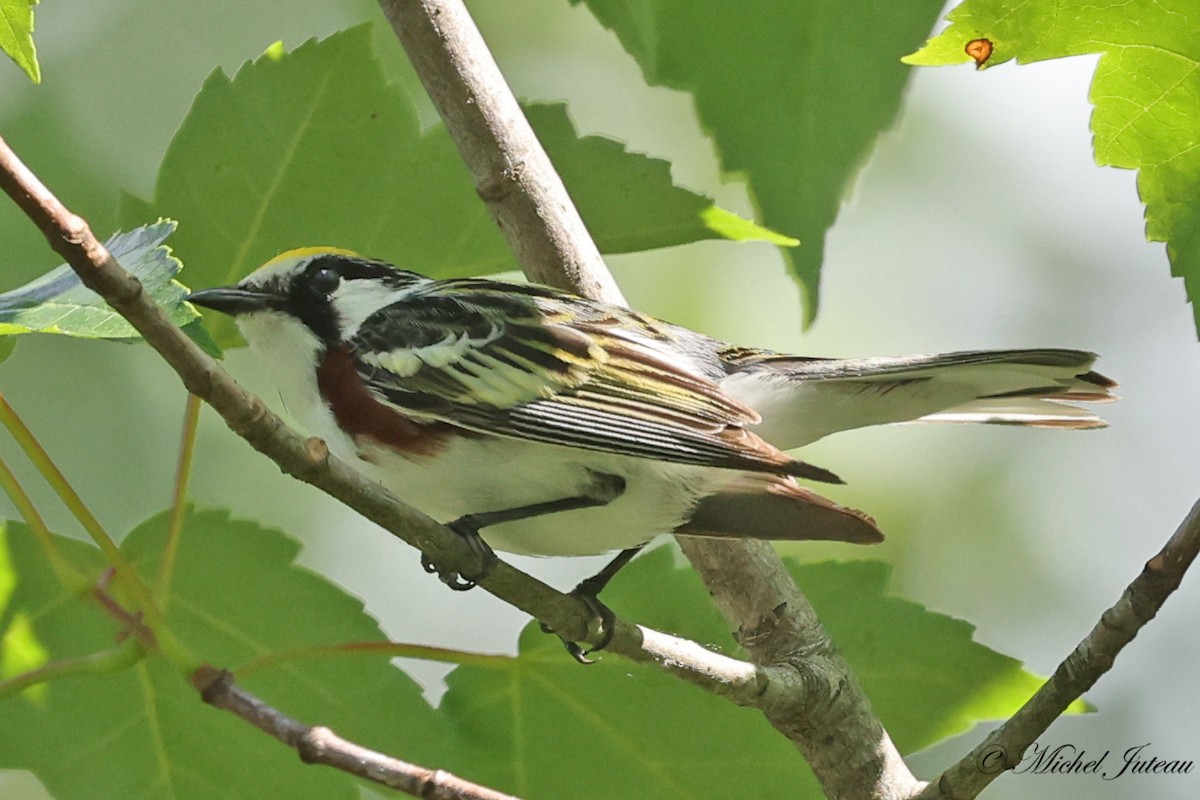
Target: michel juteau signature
(1067,759)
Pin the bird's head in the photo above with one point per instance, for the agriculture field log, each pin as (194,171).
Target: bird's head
(319,293)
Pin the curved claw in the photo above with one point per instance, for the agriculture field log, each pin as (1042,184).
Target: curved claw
(456,582)
(452,579)
(578,653)
(573,648)
(608,622)
(468,529)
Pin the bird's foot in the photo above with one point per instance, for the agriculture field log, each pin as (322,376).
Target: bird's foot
(608,623)
(468,529)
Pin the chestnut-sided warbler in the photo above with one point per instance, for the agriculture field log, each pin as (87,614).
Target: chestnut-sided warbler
(563,426)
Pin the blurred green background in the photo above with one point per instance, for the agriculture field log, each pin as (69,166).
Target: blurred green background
(980,221)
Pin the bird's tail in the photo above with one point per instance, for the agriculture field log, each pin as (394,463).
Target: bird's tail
(804,399)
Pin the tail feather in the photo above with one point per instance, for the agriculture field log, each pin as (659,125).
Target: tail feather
(1037,412)
(760,506)
(1038,406)
(803,399)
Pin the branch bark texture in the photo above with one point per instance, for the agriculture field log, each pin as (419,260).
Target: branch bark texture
(319,745)
(822,709)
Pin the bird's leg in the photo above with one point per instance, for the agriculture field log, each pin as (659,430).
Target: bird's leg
(605,489)
(469,525)
(593,586)
(588,590)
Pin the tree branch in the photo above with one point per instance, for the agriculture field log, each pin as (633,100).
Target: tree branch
(824,710)
(821,707)
(318,745)
(1079,671)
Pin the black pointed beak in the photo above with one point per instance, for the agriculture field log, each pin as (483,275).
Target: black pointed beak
(233,300)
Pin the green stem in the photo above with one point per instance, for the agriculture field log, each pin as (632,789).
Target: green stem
(58,482)
(123,655)
(183,474)
(172,648)
(67,574)
(390,649)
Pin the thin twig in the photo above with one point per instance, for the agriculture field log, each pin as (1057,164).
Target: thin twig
(64,570)
(319,745)
(823,709)
(1079,671)
(57,481)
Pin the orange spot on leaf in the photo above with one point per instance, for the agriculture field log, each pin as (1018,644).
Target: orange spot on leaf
(980,50)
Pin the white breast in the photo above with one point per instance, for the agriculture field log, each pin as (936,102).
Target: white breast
(473,475)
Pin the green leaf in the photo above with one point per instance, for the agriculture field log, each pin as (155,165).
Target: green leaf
(628,199)
(7,345)
(1146,91)
(924,674)
(144,732)
(16,35)
(793,93)
(540,726)
(314,147)
(58,302)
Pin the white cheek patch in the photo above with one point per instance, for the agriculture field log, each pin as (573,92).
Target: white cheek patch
(288,340)
(356,300)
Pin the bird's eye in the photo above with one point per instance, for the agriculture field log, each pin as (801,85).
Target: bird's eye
(325,280)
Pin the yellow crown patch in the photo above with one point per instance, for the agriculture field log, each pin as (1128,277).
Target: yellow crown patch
(302,252)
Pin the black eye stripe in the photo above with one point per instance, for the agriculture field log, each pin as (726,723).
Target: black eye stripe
(309,296)
(311,290)
(352,269)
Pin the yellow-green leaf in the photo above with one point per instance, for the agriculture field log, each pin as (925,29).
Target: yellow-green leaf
(16,35)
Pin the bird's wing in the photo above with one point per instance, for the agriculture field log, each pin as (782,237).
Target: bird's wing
(530,363)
